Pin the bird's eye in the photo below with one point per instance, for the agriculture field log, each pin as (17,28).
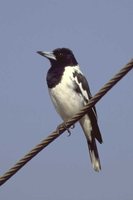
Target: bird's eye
(60,54)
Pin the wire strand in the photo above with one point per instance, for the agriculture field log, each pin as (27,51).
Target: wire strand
(62,127)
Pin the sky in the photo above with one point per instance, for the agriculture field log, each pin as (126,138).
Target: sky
(100,33)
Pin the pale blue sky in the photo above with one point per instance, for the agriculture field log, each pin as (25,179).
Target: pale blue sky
(100,33)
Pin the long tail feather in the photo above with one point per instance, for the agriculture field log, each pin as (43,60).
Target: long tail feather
(94,156)
(89,132)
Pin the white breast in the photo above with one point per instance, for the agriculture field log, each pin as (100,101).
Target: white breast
(65,99)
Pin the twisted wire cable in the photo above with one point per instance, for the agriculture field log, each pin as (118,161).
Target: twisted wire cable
(62,127)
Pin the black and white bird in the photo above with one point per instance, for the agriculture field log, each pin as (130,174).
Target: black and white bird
(69,92)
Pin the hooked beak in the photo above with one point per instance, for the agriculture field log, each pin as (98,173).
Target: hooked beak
(48,55)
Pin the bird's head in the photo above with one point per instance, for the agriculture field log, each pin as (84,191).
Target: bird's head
(60,57)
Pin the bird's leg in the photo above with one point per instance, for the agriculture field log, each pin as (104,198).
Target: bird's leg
(72,127)
(65,125)
(69,132)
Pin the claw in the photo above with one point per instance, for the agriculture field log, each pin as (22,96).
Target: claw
(60,126)
(69,132)
(73,126)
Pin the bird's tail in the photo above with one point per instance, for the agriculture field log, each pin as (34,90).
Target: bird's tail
(91,141)
(94,156)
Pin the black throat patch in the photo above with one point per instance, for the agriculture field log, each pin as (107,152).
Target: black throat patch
(54,76)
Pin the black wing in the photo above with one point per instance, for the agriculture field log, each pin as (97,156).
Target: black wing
(82,87)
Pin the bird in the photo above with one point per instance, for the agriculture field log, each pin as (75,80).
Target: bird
(70,92)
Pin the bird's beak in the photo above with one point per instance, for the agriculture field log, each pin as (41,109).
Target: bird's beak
(48,55)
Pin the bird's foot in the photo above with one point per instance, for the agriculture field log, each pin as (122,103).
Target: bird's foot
(65,125)
(69,132)
(61,126)
(73,126)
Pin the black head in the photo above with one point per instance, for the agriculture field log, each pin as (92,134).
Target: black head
(60,57)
